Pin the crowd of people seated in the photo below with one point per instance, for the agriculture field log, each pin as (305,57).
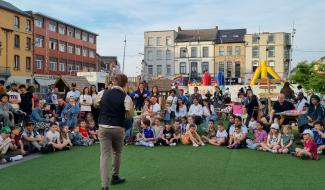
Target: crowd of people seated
(58,122)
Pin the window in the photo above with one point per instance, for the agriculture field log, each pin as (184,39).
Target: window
(28,43)
(150,55)
(287,39)
(159,70)
(221,67)
(271,63)
(62,47)
(159,54)
(62,29)
(255,52)
(39,61)
(193,52)
(38,22)
(77,67)
(229,51)
(182,52)
(91,39)
(150,70)
(182,67)
(168,54)
(237,69)
(255,65)
(229,69)
(286,53)
(205,66)
(77,34)
(53,64)
(28,63)
(17,41)
(39,41)
(70,66)
(158,40)
(205,51)
(256,39)
(84,36)
(221,51)
(78,50)
(91,53)
(85,52)
(16,62)
(70,48)
(150,41)
(52,26)
(270,51)
(53,44)
(28,25)
(16,21)
(62,65)
(168,70)
(270,38)
(237,50)
(168,41)
(70,32)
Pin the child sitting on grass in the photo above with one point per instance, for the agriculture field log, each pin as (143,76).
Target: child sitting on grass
(221,136)
(146,137)
(310,147)
(191,121)
(31,138)
(273,139)
(168,136)
(211,132)
(92,131)
(65,136)
(236,139)
(191,136)
(53,138)
(77,139)
(16,139)
(183,124)
(157,129)
(287,138)
(7,151)
(178,131)
(260,136)
(319,136)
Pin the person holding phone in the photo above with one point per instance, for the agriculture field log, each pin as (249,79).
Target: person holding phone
(86,102)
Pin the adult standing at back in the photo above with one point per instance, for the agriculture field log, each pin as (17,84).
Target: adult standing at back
(196,95)
(27,103)
(115,105)
(139,95)
(73,93)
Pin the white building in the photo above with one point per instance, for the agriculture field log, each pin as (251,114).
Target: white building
(158,54)
(194,52)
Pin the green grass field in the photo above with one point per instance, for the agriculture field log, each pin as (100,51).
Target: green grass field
(161,168)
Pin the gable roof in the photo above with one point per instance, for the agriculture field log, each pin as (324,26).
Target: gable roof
(81,82)
(10,7)
(230,36)
(196,35)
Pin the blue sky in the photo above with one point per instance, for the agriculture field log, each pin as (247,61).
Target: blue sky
(113,19)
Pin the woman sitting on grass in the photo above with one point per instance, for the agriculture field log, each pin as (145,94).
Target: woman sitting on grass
(147,136)
(260,136)
(221,136)
(287,138)
(273,139)
(191,136)
(210,133)
(310,147)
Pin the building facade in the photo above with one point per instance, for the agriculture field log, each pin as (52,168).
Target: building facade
(275,48)
(158,54)
(16,44)
(61,48)
(230,55)
(194,52)
(104,63)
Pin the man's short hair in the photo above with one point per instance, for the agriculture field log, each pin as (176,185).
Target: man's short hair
(73,85)
(2,82)
(22,86)
(53,124)
(120,80)
(146,121)
(319,123)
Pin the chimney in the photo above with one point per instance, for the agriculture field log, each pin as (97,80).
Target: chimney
(179,29)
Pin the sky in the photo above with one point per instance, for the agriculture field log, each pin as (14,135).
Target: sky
(112,20)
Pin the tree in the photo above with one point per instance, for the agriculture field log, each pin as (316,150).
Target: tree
(310,79)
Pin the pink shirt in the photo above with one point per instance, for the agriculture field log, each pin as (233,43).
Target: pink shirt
(260,136)
(237,109)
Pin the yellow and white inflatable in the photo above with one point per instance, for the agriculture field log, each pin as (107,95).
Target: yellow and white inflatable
(264,72)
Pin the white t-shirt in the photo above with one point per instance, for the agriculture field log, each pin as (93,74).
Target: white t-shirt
(300,105)
(196,110)
(206,112)
(156,108)
(73,94)
(93,97)
(181,112)
(53,136)
(222,134)
(173,100)
(243,129)
(14,96)
(85,99)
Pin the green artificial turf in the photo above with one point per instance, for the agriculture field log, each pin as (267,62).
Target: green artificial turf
(168,168)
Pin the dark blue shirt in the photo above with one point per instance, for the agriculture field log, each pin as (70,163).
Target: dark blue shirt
(318,139)
(148,133)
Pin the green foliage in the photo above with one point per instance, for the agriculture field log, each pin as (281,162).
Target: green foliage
(305,75)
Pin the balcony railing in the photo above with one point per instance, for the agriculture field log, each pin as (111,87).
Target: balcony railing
(5,72)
